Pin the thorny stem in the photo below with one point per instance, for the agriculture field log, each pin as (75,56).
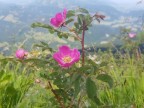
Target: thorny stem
(82,43)
(71,103)
(80,39)
(79,100)
(138,53)
(56,96)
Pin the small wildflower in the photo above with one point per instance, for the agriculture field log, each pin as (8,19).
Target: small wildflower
(37,80)
(132,35)
(21,54)
(59,19)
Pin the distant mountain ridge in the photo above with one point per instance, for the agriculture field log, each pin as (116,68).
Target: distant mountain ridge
(15,20)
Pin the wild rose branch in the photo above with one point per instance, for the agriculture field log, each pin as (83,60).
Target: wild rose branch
(65,56)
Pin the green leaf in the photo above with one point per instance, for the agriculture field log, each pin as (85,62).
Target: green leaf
(43,43)
(76,25)
(87,69)
(62,93)
(38,24)
(91,88)
(105,78)
(37,62)
(8,59)
(96,100)
(77,87)
(1,74)
(51,31)
(65,35)
(44,46)
(77,83)
(44,75)
(59,34)
(10,90)
(83,10)
(88,20)
(5,80)
(69,21)
(103,64)
(80,19)
(70,13)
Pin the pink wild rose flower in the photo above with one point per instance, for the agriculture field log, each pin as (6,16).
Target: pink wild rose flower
(132,35)
(59,19)
(21,54)
(66,56)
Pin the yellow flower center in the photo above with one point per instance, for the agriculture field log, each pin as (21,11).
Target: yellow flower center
(67,59)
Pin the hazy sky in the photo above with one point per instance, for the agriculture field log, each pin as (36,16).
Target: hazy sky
(120,3)
(16,1)
(128,2)
(115,1)
(125,1)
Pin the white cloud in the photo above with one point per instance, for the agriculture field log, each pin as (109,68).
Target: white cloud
(1,17)
(104,42)
(11,18)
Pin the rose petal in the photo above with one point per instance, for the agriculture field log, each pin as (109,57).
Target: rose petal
(75,54)
(59,18)
(54,22)
(58,58)
(65,50)
(64,13)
